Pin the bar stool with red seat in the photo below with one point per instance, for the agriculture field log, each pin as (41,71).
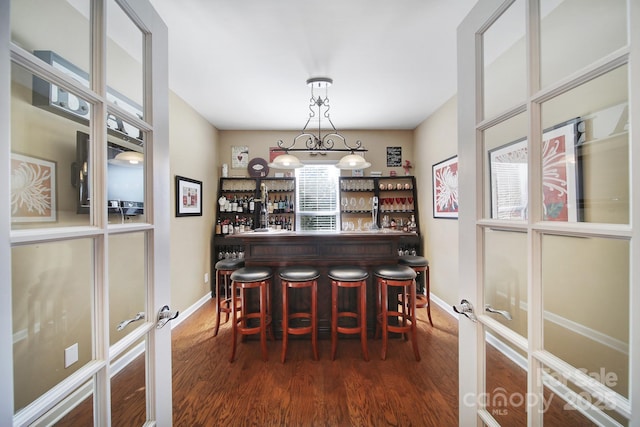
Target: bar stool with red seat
(349,277)
(296,278)
(224,268)
(403,280)
(420,265)
(243,281)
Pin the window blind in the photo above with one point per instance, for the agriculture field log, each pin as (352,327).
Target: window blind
(317,198)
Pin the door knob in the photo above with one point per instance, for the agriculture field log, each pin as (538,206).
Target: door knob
(164,315)
(125,323)
(465,308)
(505,313)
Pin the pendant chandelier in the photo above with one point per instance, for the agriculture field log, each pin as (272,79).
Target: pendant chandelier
(319,143)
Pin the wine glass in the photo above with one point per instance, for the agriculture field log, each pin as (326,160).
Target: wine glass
(383,204)
(410,201)
(403,204)
(345,203)
(399,203)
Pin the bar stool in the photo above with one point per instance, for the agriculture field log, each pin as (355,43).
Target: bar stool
(224,268)
(402,278)
(420,265)
(242,281)
(349,277)
(299,277)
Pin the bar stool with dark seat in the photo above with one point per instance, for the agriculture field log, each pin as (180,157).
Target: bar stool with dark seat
(299,277)
(421,266)
(242,281)
(349,277)
(224,268)
(402,279)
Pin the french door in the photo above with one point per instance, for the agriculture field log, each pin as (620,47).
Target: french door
(85,282)
(547,154)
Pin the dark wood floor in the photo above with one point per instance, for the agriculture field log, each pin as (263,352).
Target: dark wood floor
(210,391)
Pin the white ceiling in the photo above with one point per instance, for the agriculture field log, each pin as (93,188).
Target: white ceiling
(244,64)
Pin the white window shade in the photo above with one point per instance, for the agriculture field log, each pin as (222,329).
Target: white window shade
(317,198)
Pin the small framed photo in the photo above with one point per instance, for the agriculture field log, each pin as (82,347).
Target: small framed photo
(239,156)
(445,188)
(188,197)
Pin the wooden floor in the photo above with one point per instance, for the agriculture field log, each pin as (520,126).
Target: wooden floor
(210,391)
(301,392)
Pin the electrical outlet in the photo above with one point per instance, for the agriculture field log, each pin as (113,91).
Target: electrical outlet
(206,277)
(70,355)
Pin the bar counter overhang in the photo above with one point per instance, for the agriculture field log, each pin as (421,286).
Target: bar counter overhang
(367,249)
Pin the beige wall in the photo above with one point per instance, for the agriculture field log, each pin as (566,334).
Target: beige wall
(436,139)
(376,142)
(193,148)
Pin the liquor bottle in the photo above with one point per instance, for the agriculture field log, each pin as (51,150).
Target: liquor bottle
(218,227)
(252,205)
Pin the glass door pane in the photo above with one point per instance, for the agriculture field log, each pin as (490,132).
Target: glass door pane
(128,387)
(127,284)
(586,151)
(506,170)
(125,50)
(504,61)
(567,27)
(36,26)
(52,293)
(506,395)
(50,166)
(585,287)
(505,278)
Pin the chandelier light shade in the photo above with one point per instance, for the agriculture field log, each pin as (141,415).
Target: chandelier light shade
(286,161)
(319,143)
(128,158)
(353,161)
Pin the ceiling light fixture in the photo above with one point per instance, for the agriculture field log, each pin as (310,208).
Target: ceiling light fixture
(319,143)
(128,158)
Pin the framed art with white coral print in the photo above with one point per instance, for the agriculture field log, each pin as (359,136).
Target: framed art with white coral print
(33,189)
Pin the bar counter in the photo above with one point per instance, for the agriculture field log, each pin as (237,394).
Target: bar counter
(367,249)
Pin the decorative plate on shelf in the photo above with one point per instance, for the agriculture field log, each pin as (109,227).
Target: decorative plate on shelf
(258,167)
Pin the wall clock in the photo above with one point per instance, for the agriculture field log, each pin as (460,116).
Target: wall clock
(258,168)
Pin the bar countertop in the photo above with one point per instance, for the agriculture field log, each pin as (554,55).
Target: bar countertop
(367,249)
(281,248)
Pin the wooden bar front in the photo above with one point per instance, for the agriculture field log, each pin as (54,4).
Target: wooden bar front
(365,249)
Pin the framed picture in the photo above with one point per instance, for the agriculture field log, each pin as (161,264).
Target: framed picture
(445,188)
(239,156)
(560,177)
(394,157)
(188,197)
(33,189)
